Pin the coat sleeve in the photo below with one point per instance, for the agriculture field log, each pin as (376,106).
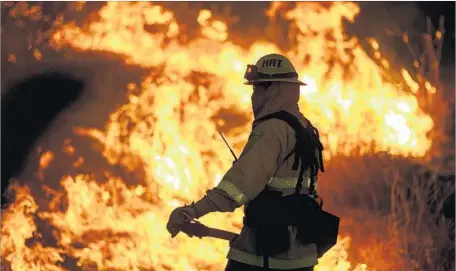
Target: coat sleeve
(249,175)
(257,163)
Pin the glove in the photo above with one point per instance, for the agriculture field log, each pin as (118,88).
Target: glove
(193,211)
(178,217)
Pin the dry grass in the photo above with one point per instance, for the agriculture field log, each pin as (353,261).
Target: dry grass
(392,208)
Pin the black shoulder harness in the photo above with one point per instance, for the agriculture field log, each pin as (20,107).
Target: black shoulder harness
(307,141)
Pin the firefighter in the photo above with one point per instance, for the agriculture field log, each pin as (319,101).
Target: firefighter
(265,174)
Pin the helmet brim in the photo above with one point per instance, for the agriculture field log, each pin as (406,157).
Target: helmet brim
(289,80)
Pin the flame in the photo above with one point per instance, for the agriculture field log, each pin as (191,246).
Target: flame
(120,230)
(18,226)
(171,128)
(356,111)
(45,160)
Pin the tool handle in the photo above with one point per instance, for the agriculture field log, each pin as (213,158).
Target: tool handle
(199,230)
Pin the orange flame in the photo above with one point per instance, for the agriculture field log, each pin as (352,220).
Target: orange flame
(17,227)
(360,109)
(45,160)
(171,126)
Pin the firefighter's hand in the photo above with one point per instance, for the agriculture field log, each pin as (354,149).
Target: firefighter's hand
(178,217)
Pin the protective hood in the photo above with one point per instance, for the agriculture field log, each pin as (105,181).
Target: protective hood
(279,96)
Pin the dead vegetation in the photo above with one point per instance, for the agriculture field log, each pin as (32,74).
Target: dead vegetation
(394,211)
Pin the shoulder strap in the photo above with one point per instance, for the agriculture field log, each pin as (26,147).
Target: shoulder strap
(291,121)
(307,140)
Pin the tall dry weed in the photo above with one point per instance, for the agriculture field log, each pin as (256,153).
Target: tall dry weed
(392,208)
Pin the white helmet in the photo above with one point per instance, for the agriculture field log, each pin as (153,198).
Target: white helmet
(272,68)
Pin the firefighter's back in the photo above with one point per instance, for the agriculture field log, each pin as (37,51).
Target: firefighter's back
(298,255)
